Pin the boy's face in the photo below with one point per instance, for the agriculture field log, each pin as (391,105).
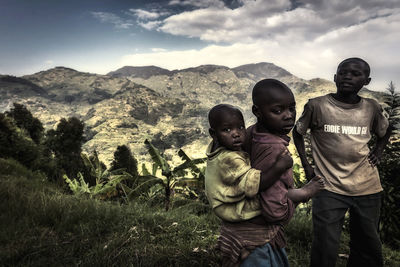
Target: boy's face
(230,132)
(277,113)
(350,77)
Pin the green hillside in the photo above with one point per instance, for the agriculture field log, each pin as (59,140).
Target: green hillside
(43,225)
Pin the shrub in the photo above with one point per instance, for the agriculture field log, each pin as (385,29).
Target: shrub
(24,119)
(16,144)
(66,144)
(123,159)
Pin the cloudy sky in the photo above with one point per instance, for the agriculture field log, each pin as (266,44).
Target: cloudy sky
(306,37)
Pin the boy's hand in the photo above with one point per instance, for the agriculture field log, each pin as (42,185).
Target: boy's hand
(284,160)
(374,157)
(309,171)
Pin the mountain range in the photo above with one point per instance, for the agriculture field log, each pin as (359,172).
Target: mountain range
(131,104)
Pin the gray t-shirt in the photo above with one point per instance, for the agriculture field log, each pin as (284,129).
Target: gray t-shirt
(339,136)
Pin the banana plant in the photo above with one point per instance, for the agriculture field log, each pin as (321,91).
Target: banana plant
(108,183)
(173,178)
(103,190)
(192,165)
(392,100)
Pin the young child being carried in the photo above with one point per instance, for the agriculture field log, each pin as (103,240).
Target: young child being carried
(342,125)
(232,188)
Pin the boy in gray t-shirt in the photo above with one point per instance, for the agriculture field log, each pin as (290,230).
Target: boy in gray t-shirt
(341,126)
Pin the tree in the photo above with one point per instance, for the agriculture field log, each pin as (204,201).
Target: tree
(123,159)
(24,119)
(16,144)
(389,169)
(66,144)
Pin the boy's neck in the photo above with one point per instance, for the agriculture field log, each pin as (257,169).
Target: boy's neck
(348,99)
(262,129)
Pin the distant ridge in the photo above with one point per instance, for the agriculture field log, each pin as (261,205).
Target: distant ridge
(18,84)
(144,72)
(254,71)
(204,69)
(262,70)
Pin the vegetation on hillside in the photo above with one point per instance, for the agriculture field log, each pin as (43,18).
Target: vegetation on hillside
(42,225)
(60,206)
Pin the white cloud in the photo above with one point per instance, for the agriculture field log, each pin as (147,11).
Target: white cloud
(265,19)
(147,15)
(117,21)
(308,39)
(150,25)
(376,41)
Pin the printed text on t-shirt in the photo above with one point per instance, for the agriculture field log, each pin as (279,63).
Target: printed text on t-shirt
(344,129)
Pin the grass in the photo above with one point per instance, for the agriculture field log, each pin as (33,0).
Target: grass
(40,225)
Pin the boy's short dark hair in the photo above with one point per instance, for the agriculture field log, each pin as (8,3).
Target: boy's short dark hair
(257,93)
(360,60)
(215,113)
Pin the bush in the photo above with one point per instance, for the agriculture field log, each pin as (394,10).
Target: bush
(66,144)
(16,144)
(123,159)
(389,170)
(24,120)
(41,226)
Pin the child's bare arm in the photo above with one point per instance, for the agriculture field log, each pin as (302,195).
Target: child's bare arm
(268,178)
(306,192)
(298,140)
(375,155)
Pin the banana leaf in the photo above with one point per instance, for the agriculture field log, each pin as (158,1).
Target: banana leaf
(157,158)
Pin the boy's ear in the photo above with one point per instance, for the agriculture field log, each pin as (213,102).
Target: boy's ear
(256,111)
(334,78)
(367,81)
(212,132)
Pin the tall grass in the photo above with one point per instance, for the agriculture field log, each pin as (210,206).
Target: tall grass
(40,225)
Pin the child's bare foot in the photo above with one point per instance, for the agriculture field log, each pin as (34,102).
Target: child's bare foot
(306,192)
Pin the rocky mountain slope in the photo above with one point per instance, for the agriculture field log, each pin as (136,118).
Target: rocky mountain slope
(131,104)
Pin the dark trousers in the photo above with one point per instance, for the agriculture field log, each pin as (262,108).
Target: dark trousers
(328,211)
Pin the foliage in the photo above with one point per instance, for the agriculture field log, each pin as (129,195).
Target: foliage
(123,159)
(389,170)
(108,184)
(21,138)
(107,189)
(16,144)
(42,226)
(66,144)
(94,170)
(24,119)
(392,101)
(12,167)
(77,186)
(174,178)
(197,167)
(193,168)
(299,176)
